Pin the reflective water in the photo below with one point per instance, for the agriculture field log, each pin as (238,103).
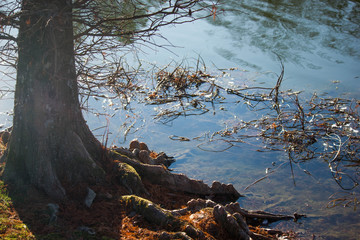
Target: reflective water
(318,42)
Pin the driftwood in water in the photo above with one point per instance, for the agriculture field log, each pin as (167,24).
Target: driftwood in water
(258,217)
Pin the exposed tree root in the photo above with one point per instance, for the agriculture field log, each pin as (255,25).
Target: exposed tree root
(161,205)
(199,218)
(159,174)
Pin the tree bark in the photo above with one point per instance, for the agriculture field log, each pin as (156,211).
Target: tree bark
(51,146)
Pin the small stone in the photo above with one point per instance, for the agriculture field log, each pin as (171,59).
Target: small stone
(143,146)
(164,236)
(210,203)
(89,198)
(134,144)
(135,152)
(196,204)
(87,230)
(53,209)
(144,156)
(191,231)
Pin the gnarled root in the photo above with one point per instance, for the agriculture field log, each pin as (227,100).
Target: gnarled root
(127,176)
(233,221)
(200,219)
(160,217)
(160,175)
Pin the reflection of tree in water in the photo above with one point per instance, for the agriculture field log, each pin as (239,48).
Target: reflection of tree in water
(126,13)
(293,27)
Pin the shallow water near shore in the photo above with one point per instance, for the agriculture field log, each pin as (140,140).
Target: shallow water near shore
(307,192)
(318,43)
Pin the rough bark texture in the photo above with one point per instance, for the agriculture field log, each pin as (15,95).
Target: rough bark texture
(50,144)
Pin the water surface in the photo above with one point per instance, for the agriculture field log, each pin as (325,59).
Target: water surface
(318,43)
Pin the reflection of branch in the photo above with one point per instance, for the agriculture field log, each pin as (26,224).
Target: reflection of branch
(264,177)
(291,167)
(156,19)
(277,88)
(330,119)
(230,145)
(295,127)
(345,198)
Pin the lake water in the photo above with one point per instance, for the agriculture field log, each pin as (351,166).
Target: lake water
(318,42)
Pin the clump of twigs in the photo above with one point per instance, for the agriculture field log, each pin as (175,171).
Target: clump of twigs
(179,79)
(185,91)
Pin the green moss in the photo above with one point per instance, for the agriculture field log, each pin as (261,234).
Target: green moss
(5,199)
(151,212)
(10,226)
(118,154)
(128,171)
(137,203)
(130,179)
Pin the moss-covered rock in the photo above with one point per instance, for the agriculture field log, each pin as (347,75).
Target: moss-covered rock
(152,212)
(129,178)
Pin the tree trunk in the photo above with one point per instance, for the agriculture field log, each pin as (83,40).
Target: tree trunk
(51,147)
